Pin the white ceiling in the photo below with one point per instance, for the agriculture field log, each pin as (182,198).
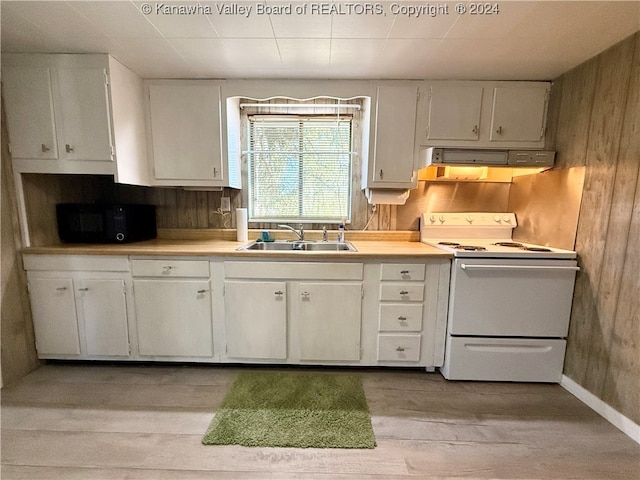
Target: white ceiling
(536,40)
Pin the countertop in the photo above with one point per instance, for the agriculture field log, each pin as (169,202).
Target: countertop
(217,247)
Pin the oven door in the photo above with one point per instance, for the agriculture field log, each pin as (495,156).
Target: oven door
(511,297)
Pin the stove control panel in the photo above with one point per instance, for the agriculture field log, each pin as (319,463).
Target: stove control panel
(480,219)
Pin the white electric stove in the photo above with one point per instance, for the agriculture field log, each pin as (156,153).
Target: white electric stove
(509,302)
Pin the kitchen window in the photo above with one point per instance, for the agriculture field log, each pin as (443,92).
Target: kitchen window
(299,168)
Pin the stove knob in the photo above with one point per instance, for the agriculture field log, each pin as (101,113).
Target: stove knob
(441,218)
(432,218)
(469,219)
(496,218)
(506,219)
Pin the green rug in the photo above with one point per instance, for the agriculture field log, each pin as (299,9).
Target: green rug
(293,409)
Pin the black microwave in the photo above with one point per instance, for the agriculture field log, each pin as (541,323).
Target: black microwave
(105,223)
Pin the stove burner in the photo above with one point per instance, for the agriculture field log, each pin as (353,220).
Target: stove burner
(470,248)
(449,244)
(509,244)
(536,249)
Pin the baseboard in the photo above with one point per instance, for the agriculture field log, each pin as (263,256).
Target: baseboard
(625,424)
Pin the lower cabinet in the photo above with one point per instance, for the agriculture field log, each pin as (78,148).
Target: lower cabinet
(256,319)
(79,306)
(295,312)
(329,321)
(173,315)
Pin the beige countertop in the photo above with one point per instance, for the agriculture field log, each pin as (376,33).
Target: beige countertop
(228,248)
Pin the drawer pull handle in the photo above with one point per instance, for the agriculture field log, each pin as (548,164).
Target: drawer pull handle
(61,289)
(201,291)
(85,289)
(44,148)
(167,268)
(400,349)
(404,292)
(404,272)
(278,292)
(402,319)
(305,294)
(68,148)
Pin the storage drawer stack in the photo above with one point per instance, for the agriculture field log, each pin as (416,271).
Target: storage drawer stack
(401,309)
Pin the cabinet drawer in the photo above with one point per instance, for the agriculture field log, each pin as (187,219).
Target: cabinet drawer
(400,348)
(402,292)
(401,271)
(170,268)
(401,318)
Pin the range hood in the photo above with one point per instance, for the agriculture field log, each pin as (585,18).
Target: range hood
(487,158)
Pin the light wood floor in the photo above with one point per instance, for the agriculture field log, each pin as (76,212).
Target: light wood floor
(146,422)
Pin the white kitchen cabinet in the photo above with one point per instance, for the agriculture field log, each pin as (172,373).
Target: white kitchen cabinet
(392,161)
(62,112)
(79,306)
(293,312)
(173,307)
(55,322)
(483,114)
(173,317)
(187,134)
(329,321)
(454,112)
(256,319)
(519,113)
(103,309)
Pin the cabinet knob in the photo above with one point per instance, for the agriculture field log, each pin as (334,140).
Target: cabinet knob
(44,148)
(61,289)
(402,319)
(85,289)
(69,148)
(400,349)
(381,174)
(305,294)
(167,268)
(279,293)
(404,292)
(404,272)
(215,172)
(499,130)
(475,129)
(200,292)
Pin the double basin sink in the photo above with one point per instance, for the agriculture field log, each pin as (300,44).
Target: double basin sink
(299,246)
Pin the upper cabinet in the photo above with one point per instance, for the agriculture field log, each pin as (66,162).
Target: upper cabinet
(484,114)
(61,112)
(186,120)
(392,160)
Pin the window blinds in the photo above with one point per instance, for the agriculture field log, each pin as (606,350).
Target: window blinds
(299,168)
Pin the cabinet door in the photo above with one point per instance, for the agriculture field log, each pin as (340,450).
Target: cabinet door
(54,316)
(256,319)
(328,323)
(454,112)
(84,114)
(104,315)
(174,317)
(518,114)
(395,128)
(186,132)
(29,104)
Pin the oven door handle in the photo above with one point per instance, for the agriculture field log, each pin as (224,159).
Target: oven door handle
(466,266)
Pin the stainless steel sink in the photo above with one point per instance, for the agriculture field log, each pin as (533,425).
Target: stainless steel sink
(298,246)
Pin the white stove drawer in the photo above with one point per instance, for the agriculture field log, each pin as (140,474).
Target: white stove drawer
(504,359)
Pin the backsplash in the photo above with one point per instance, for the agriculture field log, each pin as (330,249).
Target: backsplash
(189,209)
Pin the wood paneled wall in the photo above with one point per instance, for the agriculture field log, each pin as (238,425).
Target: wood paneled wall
(596,123)
(17,339)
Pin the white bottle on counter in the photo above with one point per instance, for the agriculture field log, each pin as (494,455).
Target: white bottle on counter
(341,232)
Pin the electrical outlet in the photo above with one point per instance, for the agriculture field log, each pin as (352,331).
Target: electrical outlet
(225,204)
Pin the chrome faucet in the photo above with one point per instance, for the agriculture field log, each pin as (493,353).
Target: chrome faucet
(300,234)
